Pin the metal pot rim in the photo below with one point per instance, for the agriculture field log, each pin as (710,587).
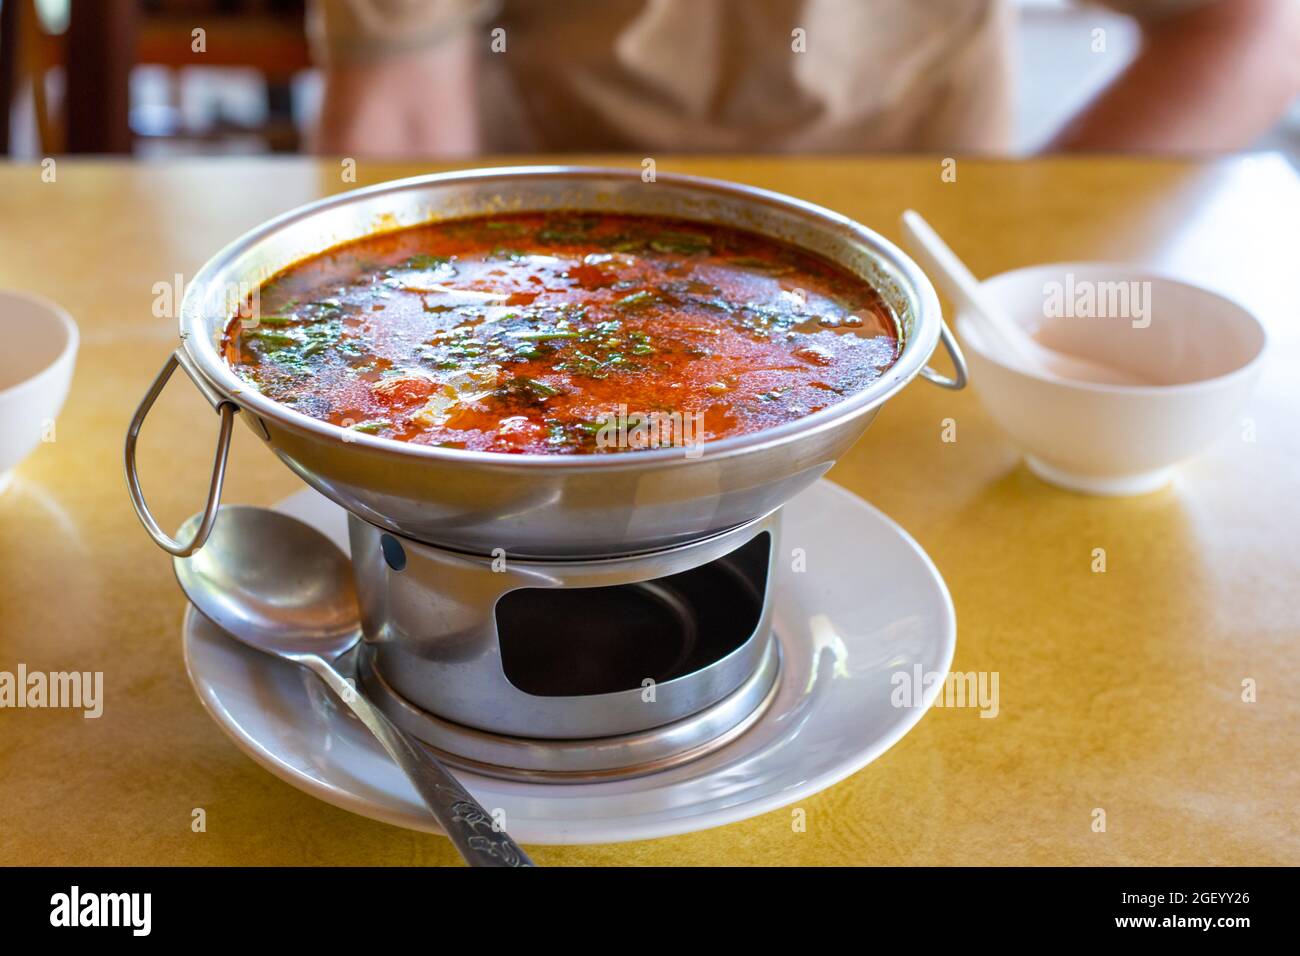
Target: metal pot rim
(917,345)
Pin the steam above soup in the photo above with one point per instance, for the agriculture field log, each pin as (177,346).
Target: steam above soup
(548,334)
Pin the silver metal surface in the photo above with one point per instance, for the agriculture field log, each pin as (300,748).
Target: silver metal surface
(583,760)
(283,588)
(558,505)
(203,527)
(273,582)
(437,631)
(959,376)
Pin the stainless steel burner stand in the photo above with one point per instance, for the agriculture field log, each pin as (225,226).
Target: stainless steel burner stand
(569,669)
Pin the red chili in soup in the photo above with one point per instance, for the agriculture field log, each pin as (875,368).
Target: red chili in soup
(562,333)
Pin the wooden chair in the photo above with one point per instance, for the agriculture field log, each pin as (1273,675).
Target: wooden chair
(106,38)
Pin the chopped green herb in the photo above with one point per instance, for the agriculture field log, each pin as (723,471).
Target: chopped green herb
(536,387)
(278,339)
(544,335)
(637,300)
(681,243)
(426,263)
(569,229)
(556,434)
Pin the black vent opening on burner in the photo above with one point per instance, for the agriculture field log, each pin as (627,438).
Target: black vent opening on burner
(569,642)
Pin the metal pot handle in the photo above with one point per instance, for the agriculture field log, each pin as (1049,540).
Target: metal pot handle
(227,410)
(958,381)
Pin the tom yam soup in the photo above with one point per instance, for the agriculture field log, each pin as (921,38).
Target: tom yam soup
(562,334)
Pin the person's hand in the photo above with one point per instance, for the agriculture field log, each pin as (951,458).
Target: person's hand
(416,105)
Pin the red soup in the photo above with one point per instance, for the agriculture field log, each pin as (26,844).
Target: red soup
(562,333)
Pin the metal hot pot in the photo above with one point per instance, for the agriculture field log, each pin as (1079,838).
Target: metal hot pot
(630,628)
(539,505)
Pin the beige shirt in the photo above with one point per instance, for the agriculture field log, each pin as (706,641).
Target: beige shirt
(715,75)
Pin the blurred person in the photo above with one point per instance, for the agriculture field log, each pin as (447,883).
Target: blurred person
(460,77)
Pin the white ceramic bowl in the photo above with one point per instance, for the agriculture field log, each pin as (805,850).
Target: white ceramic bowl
(1201,351)
(38,345)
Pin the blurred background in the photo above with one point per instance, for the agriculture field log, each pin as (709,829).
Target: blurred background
(121,76)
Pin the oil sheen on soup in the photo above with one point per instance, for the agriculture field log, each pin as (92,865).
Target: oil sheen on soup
(562,334)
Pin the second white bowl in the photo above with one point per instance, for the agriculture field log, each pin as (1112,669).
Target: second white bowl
(1201,352)
(38,346)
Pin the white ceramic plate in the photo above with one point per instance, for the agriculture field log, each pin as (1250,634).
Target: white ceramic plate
(869,604)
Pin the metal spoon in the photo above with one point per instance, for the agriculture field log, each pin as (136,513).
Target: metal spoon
(282,587)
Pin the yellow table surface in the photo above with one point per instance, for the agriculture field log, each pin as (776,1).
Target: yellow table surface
(1119,690)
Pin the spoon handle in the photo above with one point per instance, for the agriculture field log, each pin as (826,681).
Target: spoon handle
(471,828)
(963,288)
